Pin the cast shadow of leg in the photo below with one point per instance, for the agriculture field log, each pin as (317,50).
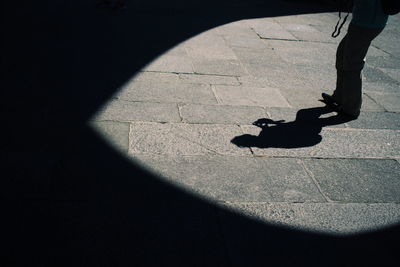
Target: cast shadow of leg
(304,131)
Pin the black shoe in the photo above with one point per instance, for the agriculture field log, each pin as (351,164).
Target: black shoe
(331,102)
(328,99)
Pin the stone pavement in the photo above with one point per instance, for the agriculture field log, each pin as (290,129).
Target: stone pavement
(180,115)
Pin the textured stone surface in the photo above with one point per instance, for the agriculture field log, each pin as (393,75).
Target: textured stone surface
(184,139)
(386,61)
(155,77)
(278,75)
(206,38)
(212,52)
(250,96)
(357,180)
(332,218)
(244,40)
(168,92)
(376,120)
(376,75)
(391,102)
(382,88)
(237,179)
(221,114)
(167,63)
(320,77)
(300,96)
(266,56)
(329,143)
(191,111)
(270,29)
(120,110)
(209,79)
(304,53)
(230,67)
(392,73)
(117,133)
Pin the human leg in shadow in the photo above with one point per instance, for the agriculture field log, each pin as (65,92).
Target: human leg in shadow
(350,60)
(367,23)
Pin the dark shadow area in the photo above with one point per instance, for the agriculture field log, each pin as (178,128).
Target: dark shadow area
(304,131)
(69,199)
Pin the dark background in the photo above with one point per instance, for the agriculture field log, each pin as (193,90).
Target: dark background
(69,199)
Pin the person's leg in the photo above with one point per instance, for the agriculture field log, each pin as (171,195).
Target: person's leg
(350,62)
(355,50)
(338,93)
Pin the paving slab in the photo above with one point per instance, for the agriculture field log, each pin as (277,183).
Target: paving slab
(326,20)
(170,63)
(120,110)
(275,75)
(374,51)
(245,40)
(298,92)
(392,73)
(184,139)
(266,56)
(301,95)
(388,41)
(376,120)
(357,180)
(167,92)
(269,29)
(391,102)
(318,37)
(221,114)
(297,27)
(237,179)
(211,52)
(154,77)
(187,107)
(209,79)
(321,77)
(370,104)
(376,75)
(326,218)
(380,88)
(228,67)
(272,80)
(178,50)
(300,141)
(387,61)
(305,53)
(117,133)
(235,28)
(209,37)
(250,96)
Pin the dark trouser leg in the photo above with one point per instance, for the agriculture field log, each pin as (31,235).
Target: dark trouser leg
(350,60)
(338,93)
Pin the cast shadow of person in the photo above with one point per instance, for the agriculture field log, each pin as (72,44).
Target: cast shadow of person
(304,131)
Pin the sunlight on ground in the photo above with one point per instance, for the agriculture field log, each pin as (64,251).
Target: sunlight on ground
(178,116)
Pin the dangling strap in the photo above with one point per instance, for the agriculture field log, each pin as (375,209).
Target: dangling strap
(334,34)
(337,27)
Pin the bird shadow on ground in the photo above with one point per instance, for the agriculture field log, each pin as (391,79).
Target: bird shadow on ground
(304,131)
